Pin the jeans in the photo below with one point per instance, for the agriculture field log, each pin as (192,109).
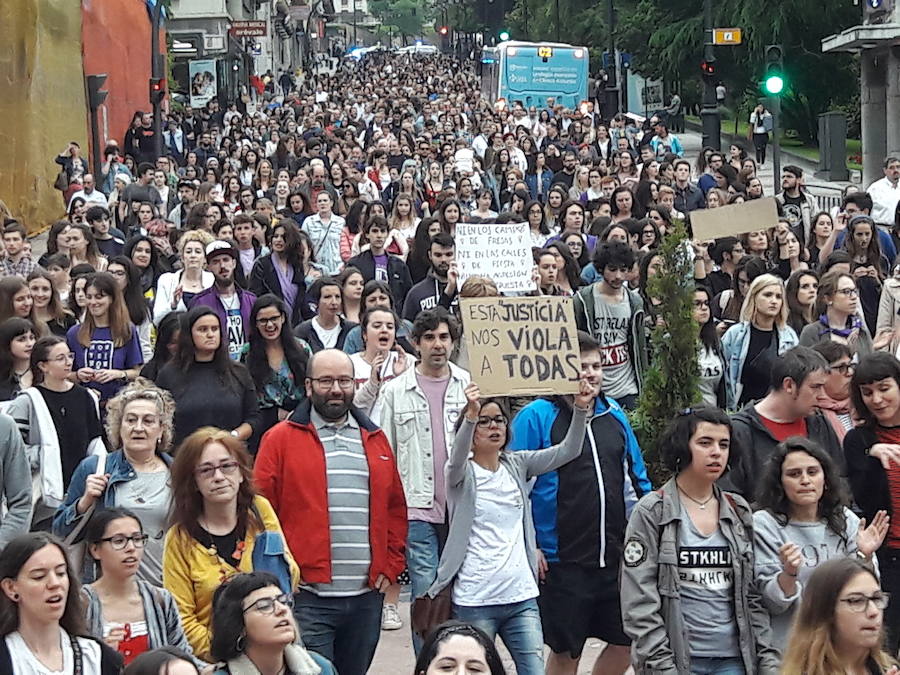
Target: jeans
(519,626)
(343,630)
(717,666)
(424,543)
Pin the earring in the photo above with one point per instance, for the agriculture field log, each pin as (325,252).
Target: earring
(240,643)
(15,597)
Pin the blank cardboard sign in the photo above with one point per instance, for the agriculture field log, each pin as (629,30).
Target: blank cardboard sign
(735,219)
(522,346)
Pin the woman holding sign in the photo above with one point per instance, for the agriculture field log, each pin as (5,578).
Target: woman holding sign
(489,563)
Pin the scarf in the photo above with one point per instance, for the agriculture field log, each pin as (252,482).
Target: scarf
(296,658)
(286,281)
(854,323)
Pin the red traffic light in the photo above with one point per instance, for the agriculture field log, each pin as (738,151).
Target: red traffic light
(708,67)
(443,30)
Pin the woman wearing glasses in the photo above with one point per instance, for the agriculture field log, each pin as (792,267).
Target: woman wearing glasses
(803,519)
(840,622)
(873,464)
(135,477)
(837,306)
(490,558)
(215,520)
(255,632)
(131,615)
(60,424)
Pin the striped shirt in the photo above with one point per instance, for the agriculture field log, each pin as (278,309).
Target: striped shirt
(347,476)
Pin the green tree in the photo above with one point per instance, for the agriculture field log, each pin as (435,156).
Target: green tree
(670,384)
(404,16)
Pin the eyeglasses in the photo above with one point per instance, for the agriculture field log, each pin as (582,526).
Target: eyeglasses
(62,358)
(207,471)
(858,603)
(328,382)
(843,368)
(120,541)
(267,605)
(848,292)
(485,421)
(118,273)
(274,320)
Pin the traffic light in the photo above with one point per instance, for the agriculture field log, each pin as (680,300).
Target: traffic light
(708,68)
(443,30)
(773,78)
(503,35)
(157,90)
(96,96)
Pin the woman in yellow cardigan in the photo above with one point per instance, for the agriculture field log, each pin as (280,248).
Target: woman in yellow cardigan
(215,521)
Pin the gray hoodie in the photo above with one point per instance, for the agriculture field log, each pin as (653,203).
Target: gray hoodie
(15,482)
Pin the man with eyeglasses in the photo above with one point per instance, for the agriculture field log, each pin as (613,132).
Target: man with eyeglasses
(580,512)
(789,409)
(330,474)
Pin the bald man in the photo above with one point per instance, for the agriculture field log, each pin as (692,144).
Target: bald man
(330,474)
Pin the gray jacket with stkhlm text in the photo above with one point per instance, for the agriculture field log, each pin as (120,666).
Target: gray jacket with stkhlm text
(650,586)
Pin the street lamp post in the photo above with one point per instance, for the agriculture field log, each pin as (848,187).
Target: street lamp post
(709,112)
(156,73)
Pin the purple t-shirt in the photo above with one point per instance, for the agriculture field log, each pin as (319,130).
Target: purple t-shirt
(381,267)
(435,390)
(102,354)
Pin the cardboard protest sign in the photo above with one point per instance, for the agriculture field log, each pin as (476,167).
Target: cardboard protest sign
(735,219)
(500,252)
(522,346)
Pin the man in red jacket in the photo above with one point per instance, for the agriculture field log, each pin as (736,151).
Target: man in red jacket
(330,474)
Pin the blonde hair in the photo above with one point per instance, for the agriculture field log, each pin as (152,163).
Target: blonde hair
(201,236)
(140,390)
(763,281)
(479,287)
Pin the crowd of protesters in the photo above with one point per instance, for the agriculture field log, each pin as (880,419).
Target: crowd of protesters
(238,415)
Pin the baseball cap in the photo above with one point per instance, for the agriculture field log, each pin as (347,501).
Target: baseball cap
(219,247)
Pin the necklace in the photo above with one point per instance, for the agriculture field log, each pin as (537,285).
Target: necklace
(701,504)
(151,461)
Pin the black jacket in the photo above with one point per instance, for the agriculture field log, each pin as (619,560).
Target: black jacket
(305,331)
(427,294)
(264,279)
(753,444)
(867,477)
(398,274)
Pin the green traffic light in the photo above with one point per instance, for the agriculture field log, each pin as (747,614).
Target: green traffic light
(774,84)
(504,35)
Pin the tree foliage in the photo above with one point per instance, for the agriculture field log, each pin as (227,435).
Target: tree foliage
(407,17)
(670,384)
(665,38)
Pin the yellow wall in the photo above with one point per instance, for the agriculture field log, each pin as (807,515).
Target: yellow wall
(42,103)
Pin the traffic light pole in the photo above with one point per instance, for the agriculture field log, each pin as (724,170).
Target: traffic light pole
(155,73)
(776,141)
(709,112)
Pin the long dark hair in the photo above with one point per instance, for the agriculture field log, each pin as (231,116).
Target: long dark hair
(570,267)
(257,361)
(39,355)
(15,554)
(354,218)
(543,228)
(185,356)
(291,241)
(133,293)
(10,330)
(709,338)
(156,266)
(770,495)
(167,327)
(872,368)
(798,316)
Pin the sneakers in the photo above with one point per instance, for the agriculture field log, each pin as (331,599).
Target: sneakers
(390,618)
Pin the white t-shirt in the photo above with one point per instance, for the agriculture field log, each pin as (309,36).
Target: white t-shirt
(710,366)
(495,570)
(328,336)
(362,371)
(25,663)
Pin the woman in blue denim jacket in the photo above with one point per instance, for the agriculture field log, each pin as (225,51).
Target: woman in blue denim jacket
(761,336)
(135,477)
